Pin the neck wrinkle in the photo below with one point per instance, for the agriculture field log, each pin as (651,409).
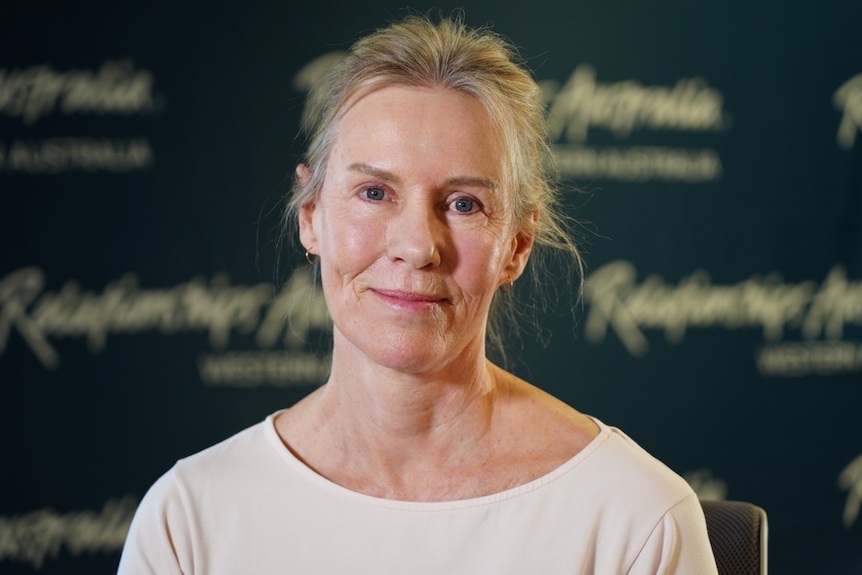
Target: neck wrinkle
(406,424)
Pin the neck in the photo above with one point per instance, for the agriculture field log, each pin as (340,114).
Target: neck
(411,404)
(406,424)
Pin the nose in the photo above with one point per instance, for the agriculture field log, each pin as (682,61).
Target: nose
(416,235)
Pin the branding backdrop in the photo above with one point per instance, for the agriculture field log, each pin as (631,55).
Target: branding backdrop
(148,309)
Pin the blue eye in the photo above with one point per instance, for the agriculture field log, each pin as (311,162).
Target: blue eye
(463,205)
(375,194)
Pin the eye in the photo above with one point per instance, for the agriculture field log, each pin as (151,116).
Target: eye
(375,193)
(464,205)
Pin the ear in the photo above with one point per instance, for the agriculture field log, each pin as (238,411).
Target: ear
(522,245)
(307,235)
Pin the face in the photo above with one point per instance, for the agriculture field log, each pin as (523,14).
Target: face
(413,230)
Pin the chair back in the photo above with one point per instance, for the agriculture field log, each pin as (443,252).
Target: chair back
(738,535)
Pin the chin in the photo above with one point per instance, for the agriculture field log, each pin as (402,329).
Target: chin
(413,360)
(409,355)
(414,349)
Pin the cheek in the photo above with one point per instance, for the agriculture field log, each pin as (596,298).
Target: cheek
(353,243)
(479,266)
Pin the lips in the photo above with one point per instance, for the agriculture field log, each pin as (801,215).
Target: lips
(409,301)
(407,296)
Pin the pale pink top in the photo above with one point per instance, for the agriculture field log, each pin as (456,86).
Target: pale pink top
(249,506)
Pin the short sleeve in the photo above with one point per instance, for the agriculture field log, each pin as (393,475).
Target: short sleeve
(678,544)
(157,533)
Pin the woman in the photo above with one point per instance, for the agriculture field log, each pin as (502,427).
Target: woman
(422,197)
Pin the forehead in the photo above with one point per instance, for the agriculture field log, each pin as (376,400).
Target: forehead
(416,126)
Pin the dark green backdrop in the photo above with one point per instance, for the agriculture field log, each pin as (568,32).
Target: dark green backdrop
(712,149)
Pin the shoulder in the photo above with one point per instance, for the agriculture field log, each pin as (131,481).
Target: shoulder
(639,481)
(606,460)
(242,448)
(641,511)
(223,471)
(165,534)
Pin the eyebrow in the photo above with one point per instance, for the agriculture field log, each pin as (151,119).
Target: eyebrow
(387,176)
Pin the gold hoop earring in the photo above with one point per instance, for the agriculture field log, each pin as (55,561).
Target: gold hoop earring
(506,289)
(312,259)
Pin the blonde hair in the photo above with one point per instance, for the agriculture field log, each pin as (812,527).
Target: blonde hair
(417,52)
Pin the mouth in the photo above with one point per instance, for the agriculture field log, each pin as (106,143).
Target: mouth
(407,299)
